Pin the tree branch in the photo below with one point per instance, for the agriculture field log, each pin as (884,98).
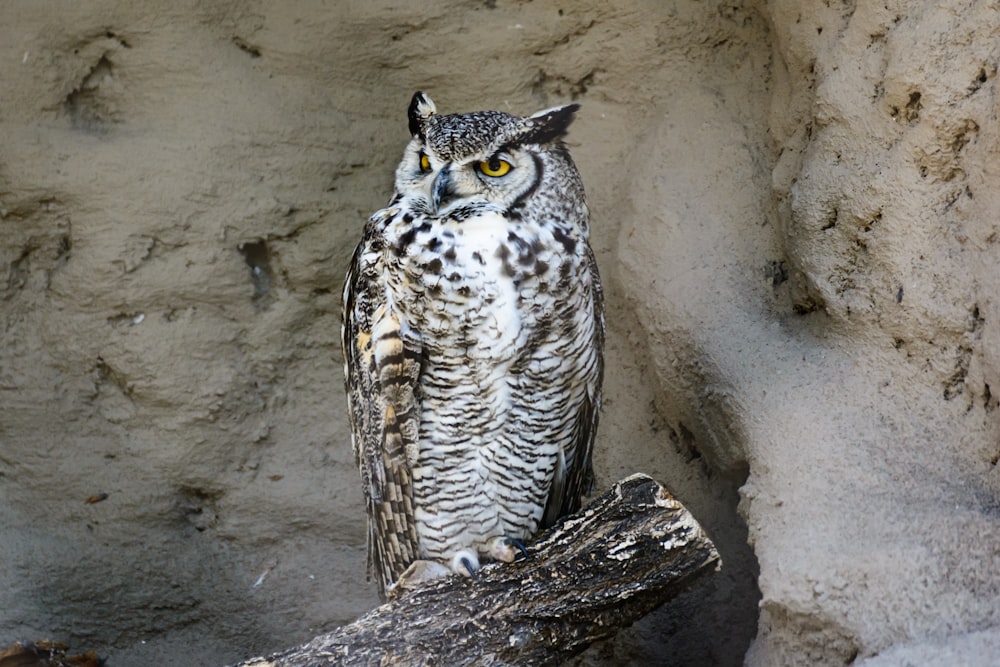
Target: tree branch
(594,572)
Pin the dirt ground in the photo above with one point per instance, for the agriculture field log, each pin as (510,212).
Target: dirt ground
(792,210)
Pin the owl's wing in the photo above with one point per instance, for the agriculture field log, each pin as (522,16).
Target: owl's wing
(575,480)
(381,371)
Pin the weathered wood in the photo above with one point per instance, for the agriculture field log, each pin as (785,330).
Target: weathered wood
(591,574)
(45,653)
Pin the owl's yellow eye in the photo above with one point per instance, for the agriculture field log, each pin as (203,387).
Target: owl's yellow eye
(494,167)
(425,163)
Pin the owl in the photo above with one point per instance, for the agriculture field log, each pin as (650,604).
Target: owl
(473,334)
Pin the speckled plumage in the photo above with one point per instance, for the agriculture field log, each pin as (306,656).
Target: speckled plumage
(473,340)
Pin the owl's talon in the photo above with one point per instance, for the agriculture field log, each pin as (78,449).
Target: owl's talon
(503,548)
(520,546)
(465,563)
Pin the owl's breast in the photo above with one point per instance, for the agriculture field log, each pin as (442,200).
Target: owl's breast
(455,282)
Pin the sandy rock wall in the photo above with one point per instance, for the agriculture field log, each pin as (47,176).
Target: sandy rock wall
(794,219)
(889,224)
(840,343)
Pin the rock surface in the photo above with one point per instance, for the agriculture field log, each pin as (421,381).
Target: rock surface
(794,210)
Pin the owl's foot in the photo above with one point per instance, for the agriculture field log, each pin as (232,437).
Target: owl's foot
(505,548)
(465,562)
(417,573)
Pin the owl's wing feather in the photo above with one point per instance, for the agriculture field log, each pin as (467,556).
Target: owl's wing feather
(381,372)
(575,478)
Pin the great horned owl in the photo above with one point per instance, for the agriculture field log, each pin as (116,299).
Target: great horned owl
(473,342)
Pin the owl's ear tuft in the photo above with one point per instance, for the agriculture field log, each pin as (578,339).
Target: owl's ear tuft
(549,125)
(421,108)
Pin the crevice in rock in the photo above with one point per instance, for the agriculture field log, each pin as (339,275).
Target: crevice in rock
(546,86)
(111,34)
(42,250)
(964,134)
(955,384)
(17,274)
(975,322)
(199,506)
(108,374)
(257,256)
(806,305)
(777,271)
(872,222)
(88,105)
(981,78)
(736,588)
(684,441)
(913,106)
(246,47)
(830,221)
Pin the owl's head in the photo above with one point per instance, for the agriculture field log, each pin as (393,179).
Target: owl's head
(485,158)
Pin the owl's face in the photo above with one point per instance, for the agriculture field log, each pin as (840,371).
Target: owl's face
(484,158)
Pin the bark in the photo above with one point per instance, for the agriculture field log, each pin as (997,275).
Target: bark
(591,574)
(45,653)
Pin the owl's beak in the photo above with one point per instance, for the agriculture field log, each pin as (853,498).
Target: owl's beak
(444,189)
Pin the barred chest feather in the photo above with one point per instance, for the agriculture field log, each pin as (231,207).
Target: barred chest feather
(493,304)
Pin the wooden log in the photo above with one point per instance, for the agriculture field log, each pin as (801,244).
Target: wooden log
(594,572)
(45,653)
